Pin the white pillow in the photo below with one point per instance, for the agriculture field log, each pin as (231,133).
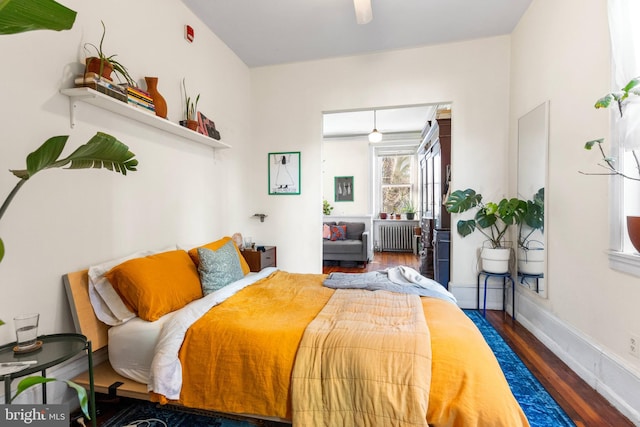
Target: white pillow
(106,302)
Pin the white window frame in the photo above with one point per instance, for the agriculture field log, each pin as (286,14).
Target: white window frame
(389,149)
(625,40)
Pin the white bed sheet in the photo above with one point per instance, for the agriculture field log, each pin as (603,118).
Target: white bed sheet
(132,346)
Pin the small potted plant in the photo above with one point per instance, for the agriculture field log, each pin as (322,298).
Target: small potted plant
(326,208)
(530,226)
(409,210)
(190,109)
(492,220)
(103,65)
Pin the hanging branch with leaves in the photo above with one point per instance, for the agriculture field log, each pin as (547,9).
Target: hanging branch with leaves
(619,99)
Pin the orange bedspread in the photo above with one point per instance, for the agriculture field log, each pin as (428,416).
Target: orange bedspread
(239,357)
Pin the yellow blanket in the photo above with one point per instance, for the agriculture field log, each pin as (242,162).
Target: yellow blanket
(365,360)
(239,357)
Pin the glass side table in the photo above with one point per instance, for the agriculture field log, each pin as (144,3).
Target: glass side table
(56,348)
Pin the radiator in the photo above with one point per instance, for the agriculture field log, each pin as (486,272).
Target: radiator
(398,238)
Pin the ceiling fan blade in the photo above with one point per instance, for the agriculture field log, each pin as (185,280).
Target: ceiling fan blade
(364,14)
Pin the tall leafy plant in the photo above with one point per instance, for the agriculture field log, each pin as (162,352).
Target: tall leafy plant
(531,218)
(101,151)
(18,16)
(491,219)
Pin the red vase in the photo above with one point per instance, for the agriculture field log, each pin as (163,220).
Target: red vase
(158,101)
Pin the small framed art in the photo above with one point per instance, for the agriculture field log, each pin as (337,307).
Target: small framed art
(207,127)
(284,173)
(343,188)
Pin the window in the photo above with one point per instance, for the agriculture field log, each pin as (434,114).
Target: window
(396,180)
(625,42)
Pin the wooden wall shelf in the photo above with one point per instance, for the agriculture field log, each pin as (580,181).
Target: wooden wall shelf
(90,96)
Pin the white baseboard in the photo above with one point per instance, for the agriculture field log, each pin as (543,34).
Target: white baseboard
(606,373)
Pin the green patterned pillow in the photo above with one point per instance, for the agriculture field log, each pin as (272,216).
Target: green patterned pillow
(219,268)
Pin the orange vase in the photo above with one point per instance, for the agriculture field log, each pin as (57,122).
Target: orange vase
(158,101)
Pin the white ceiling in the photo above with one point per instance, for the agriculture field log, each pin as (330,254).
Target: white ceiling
(267,32)
(400,122)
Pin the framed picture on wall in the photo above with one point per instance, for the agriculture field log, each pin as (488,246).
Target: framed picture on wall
(207,127)
(284,173)
(343,188)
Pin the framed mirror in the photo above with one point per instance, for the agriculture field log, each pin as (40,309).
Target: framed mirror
(533,138)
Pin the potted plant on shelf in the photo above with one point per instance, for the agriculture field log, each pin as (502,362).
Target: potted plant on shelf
(103,65)
(190,110)
(620,99)
(530,221)
(492,220)
(409,210)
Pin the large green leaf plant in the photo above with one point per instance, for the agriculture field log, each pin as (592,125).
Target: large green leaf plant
(491,219)
(101,151)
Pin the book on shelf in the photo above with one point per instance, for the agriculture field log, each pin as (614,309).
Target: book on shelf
(139,94)
(138,104)
(139,98)
(105,89)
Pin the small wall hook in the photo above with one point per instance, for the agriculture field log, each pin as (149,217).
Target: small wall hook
(261,216)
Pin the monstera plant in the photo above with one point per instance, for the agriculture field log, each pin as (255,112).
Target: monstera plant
(492,220)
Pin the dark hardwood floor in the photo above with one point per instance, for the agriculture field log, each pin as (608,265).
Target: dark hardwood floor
(579,400)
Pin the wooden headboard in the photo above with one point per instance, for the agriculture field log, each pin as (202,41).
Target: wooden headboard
(84,318)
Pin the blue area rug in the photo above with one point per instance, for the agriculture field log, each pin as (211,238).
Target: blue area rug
(537,404)
(539,407)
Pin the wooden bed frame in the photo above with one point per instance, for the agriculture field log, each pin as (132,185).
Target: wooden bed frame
(106,380)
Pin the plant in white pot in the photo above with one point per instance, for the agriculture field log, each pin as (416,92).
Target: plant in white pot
(530,228)
(492,220)
(621,99)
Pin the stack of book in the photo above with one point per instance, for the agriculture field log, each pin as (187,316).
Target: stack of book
(137,97)
(102,85)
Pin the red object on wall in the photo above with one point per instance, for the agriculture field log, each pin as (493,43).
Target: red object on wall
(188,33)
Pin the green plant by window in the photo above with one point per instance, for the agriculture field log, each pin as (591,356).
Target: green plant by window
(408,207)
(619,99)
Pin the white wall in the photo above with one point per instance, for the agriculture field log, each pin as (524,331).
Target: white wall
(287,104)
(64,221)
(560,52)
(347,158)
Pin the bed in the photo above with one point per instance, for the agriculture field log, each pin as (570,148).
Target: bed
(248,348)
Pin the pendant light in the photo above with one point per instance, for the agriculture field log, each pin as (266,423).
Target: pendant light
(375,136)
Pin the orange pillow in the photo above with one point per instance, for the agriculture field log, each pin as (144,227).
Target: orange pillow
(158,284)
(214,246)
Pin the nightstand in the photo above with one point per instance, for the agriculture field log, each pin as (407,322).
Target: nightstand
(56,348)
(258,260)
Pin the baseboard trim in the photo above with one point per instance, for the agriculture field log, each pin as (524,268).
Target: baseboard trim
(606,373)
